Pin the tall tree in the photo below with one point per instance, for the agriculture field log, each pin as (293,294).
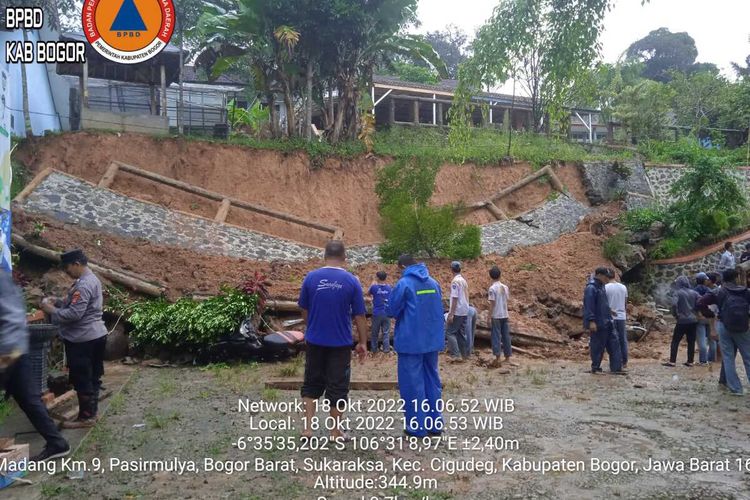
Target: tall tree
(663,52)
(544,44)
(451,44)
(742,71)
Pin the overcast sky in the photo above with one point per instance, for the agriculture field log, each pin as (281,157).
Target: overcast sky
(720,27)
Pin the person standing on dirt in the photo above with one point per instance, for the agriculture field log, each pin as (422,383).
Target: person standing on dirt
(417,305)
(499,296)
(15,370)
(329,298)
(733,301)
(597,319)
(684,310)
(79,316)
(380,293)
(727,260)
(458,312)
(706,345)
(617,296)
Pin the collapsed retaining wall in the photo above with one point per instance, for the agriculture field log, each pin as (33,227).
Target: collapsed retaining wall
(75,201)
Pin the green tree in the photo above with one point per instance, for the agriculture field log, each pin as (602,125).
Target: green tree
(547,45)
(413,73)
(451,44)
(699,99)
(663,52)
(709,199)
(643,109)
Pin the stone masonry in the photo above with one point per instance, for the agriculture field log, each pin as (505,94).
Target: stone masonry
(663,178)
(543,225)
(74,201)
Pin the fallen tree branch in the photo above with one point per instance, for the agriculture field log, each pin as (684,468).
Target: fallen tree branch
(134,283)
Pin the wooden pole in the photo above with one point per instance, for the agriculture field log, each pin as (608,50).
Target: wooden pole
(392,111)
(221,214)
(416,113)
(109,176)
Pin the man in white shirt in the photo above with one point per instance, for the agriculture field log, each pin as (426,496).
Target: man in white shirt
(499,296)
(727,260)
(455,333)
(617,296)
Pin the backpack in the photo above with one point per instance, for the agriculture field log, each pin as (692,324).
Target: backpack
(735,311)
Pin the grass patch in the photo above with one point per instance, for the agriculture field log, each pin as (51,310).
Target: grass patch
(270,394)
(55,490)
(238,377)
(528,267)
(5,408)
(21,177)
(167,385)
(292,368)
(161,421)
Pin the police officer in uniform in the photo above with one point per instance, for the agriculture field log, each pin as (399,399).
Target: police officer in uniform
(79,316)
(15,369)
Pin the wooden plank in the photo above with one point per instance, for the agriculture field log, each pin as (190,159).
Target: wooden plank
(109,176)
(31,186)
(338,235)
(184,186)
(556,182)
(294,384)
(72,413)
(221,214)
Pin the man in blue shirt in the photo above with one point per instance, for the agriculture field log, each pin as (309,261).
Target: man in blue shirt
(380,292)
(417,304)
(329,297)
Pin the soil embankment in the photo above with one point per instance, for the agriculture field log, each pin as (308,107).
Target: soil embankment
(340,193)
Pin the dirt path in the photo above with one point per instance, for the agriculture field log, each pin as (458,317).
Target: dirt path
(560,413)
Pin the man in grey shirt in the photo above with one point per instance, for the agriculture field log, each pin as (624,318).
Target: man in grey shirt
(727,260)
(79,316)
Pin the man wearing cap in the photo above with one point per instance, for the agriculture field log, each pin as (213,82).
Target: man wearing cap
(417,305)
(456,331)
(79,316)
(16,373)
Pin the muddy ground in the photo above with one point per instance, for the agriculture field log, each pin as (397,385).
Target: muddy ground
(560,412)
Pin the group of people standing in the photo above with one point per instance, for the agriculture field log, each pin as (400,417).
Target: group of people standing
(604,317)
(715,312)
(331,296)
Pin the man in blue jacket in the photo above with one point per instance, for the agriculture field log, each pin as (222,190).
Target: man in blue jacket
(417,305)
(597,319)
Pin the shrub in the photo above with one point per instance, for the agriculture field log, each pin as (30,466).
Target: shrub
(190,323)
(410,224)
(669,247)
(641,219)
(615,246)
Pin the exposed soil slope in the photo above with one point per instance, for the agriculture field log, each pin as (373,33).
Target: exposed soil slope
(340,193)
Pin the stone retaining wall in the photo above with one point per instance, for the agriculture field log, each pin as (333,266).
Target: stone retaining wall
(663,178)
(543,225)
(74,201)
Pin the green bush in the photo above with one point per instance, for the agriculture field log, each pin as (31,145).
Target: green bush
(615,246)
(688,151)
(670,247)
(423,230)
(187,322)
(410,224)
(641,219)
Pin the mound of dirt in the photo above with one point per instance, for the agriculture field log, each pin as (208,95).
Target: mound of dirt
(340,193)
(559,269)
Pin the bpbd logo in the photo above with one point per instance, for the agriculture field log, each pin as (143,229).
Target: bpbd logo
(128,31)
